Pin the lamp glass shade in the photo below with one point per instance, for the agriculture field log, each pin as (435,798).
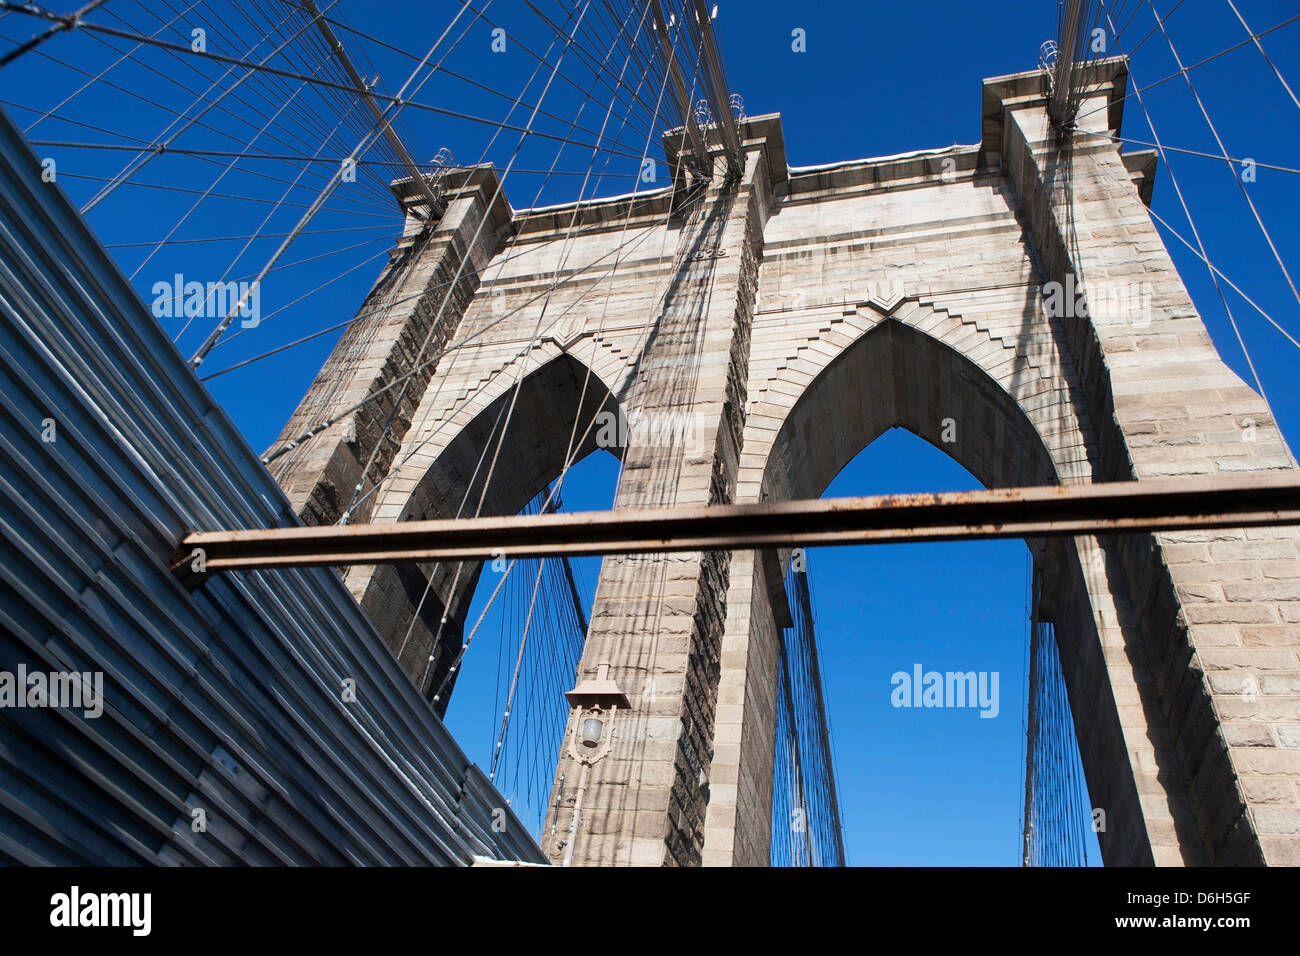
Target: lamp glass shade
(592,728)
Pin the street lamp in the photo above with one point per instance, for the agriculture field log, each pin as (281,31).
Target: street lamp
(595,705)
(591,731)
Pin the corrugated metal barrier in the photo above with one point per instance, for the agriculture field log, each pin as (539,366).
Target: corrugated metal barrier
(227,734)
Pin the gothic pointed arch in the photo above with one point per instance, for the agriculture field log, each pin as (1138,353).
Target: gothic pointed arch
(491,455)
(1009,418)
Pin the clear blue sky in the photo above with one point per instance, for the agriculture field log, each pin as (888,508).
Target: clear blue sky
(918,787)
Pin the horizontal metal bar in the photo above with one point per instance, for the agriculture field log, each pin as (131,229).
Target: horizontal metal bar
(1131,506)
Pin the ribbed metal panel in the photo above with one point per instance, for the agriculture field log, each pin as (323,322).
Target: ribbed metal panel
(228,698)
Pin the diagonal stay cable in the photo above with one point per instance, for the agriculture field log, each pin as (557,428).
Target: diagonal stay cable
(1197,65)
(200,154)
(1245,193)
(460,272)
(135,94)
(566,250)
(263,67)
(500,265)
(1232,285)
(64,23)
(514,680)
(246,236)
(184,190)
(688,204)
(1199,242)
(361,316)
(678,259)
(225,171)
(218,154)
(507,410)
(338,417)
(1230,160)
(160,147)
(487,88)
(246,111)
(266,221)
(387,116)
(1267,59)
(102,73)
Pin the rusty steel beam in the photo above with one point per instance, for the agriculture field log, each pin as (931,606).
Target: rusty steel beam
(1132,506)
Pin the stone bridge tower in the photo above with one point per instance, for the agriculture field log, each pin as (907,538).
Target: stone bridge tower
(789,317)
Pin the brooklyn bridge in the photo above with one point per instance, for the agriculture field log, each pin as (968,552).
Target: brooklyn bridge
(225,646)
